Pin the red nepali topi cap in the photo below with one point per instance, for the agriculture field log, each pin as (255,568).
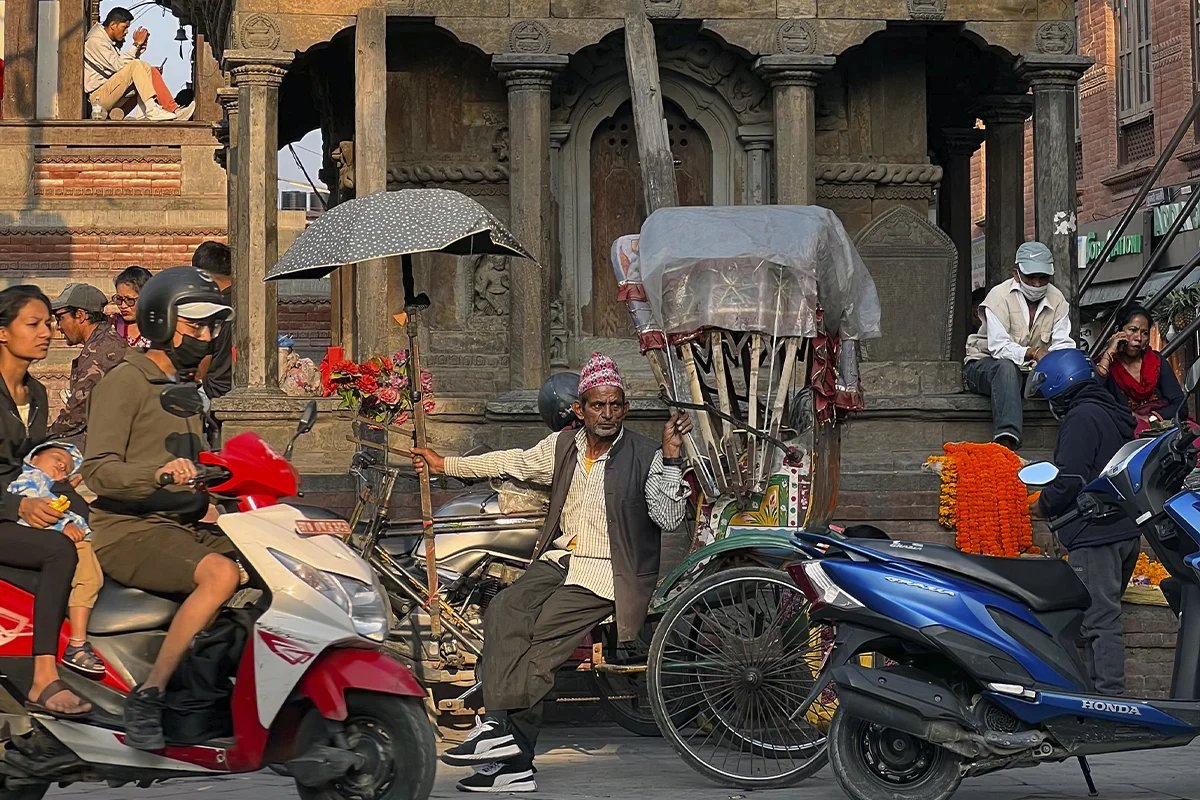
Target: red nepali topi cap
(600,370)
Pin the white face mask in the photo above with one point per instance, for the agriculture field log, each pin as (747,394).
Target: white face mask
(1033,294)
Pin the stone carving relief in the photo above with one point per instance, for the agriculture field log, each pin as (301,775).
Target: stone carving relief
(446,173)
(343,160)
(860,172)
(915,267)
(258,32)
(1055,38)
(529,36)
(927,10)
(500,144)
(490,286)
(796,36)
(663,9)
(559,336)
(701,59)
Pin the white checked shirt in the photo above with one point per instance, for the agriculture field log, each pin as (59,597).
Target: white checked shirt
(584,517)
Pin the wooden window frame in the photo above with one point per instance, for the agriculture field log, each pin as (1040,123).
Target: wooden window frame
(1135,77)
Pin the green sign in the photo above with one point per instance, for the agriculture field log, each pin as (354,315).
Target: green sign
(1165,215)
(1128,245)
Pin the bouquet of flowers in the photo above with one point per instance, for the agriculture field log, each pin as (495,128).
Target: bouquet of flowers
(378,388)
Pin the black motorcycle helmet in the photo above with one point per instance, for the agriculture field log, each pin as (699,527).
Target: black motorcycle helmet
(555,399)
(159,301)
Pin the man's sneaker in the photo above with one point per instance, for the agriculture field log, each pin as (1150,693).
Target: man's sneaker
(489,741)
(184,113)
(501,777)
(143,719)
(1008,440)
(156,113)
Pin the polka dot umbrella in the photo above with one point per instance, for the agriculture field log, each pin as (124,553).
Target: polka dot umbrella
(398,223)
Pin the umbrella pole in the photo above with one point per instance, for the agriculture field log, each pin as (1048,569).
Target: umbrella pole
(421,440)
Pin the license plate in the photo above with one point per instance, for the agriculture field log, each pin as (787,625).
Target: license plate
(322,527)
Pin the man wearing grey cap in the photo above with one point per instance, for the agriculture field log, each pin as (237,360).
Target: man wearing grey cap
(79,313)
(1023,319)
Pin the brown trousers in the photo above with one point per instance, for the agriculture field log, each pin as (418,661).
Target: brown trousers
(85,585)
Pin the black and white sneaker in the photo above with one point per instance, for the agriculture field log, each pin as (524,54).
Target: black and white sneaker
(489,741)
(501,777)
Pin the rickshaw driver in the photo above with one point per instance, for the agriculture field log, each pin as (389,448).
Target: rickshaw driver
(612,493)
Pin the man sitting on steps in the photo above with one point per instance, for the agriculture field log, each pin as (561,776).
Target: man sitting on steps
(108,73)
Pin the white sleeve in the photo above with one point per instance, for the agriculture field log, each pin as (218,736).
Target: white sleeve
(1060,334)
(1000,343)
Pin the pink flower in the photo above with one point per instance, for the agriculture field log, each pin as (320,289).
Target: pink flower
(400,418)
(426,381)
(401,357)
(398,381)
(429,405)
(388,396)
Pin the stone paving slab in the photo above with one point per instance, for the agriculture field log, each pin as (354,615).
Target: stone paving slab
(607,762)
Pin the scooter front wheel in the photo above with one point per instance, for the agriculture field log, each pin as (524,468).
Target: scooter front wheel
(871,761)
(395,739)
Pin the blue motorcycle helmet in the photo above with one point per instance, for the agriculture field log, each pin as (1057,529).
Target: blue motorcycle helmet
(1058,374)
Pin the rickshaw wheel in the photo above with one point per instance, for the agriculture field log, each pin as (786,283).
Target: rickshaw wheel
(731,664)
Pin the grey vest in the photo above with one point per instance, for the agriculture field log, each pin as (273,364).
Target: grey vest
(635,539)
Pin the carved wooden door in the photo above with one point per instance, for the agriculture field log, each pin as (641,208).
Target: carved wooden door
(618,207)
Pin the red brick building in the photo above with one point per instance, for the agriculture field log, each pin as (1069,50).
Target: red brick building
(1130,103)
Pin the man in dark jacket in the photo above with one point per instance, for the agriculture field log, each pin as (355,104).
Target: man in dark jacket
(612,493)
(1103,553)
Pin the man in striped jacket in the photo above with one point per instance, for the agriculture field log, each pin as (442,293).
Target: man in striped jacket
(612,493)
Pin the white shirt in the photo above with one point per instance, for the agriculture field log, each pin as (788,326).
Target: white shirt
(1001,344)
(102,59)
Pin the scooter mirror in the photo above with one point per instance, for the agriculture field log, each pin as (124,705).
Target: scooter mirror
(182,400)
(308,419)
(1192,378)
(1039,473)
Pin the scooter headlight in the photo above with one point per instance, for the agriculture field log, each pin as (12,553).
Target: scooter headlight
(366,605)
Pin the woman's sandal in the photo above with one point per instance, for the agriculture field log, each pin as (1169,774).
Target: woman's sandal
(83,659)
(50,692)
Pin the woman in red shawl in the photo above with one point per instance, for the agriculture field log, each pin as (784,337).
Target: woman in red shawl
(1136,375)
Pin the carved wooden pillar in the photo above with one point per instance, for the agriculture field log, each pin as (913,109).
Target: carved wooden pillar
(257,76)
(72,28)
(207,80)
(371,316)
(227,134)
(958,145)
(793,80)
(20,59)
(1004,185)
(529,78)
(1054,79)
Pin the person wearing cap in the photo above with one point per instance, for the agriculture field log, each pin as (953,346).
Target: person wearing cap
(79,313)
(1023,319)
(612,493)
(152,537)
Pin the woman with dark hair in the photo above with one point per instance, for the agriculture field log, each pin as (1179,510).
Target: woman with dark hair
(129,285)
(25,326)
(1138,377)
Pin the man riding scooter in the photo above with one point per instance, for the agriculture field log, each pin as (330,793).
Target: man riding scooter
(149,537)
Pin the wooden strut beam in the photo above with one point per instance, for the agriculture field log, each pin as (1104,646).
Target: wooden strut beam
(649,121)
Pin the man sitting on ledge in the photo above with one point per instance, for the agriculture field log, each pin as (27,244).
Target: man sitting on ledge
(108,73)
(1023,319)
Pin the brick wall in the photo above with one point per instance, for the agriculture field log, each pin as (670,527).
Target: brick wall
(33,253)
(306,320)
(74,176)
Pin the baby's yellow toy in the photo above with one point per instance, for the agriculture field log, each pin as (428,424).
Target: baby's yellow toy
(60,503)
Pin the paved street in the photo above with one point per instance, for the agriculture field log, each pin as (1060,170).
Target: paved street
(604,762)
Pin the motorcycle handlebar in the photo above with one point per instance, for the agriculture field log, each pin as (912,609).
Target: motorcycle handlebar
(1065,519)
(205,473)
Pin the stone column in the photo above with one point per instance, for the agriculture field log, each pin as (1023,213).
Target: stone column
(531,217)
(207,80)
(256,76)
(1054,80)
(1004,184)
(20,59)
(958,145)
(756,141)
(72,28)
(793,80)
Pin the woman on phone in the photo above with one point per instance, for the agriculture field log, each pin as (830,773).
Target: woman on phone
(1137,376)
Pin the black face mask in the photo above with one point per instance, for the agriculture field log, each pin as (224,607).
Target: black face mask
(187,355)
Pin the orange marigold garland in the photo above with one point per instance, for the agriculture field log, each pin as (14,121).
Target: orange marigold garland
(982,499)
(1147,572)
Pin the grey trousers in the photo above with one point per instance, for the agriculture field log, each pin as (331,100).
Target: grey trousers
(1105,571)
(1001,380)
(529,630)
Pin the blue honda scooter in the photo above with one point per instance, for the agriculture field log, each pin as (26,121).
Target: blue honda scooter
(982,668)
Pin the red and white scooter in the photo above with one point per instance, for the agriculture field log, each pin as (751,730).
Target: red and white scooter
(314,694)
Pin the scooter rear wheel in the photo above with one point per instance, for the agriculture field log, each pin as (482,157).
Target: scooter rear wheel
(871,761)
(395,736)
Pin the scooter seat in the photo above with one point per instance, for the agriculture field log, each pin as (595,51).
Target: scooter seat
(123,609)
(1043,584)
